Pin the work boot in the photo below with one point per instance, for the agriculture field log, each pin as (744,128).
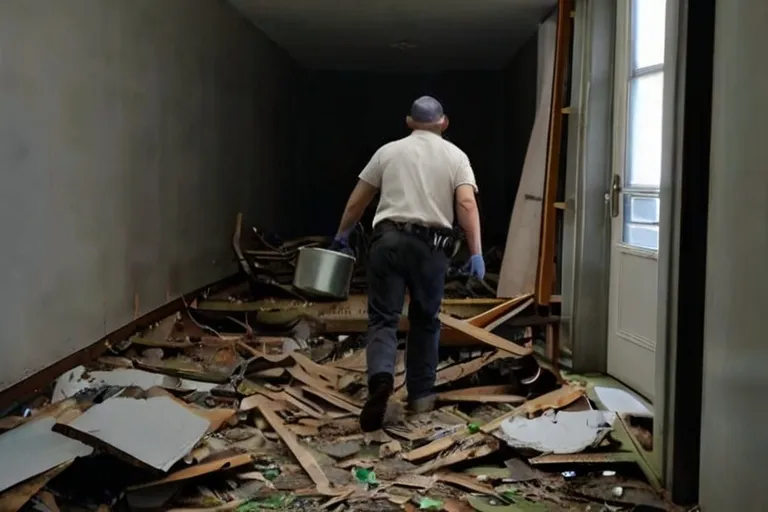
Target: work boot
(380,387)
(423,404)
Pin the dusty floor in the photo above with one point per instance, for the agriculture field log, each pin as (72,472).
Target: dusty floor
(246,405)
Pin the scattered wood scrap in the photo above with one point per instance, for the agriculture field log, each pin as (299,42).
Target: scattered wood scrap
(303,455)
(275,427)
(464,481)
(554,400)
(485,394)
(198,470)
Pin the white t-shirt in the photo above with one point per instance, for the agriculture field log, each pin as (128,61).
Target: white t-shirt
(417,177)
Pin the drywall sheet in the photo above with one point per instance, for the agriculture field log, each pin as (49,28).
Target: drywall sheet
(156,432)
(34,448)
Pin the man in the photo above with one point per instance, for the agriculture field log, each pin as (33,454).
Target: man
(420,179)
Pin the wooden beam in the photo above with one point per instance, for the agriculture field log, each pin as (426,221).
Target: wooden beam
(484,336)
(553,348)
(545,274)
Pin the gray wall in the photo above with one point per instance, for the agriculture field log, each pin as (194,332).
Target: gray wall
(131,132)
(734,437)
(586,228)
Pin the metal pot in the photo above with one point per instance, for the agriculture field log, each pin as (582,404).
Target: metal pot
(323,273)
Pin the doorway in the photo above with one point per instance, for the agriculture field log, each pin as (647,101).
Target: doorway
(634,202)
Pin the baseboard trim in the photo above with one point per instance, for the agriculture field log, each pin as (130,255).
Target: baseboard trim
(36,383)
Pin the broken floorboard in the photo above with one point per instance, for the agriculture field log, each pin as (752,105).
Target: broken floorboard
(287,419)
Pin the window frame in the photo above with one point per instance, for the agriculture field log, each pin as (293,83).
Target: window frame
(626,75)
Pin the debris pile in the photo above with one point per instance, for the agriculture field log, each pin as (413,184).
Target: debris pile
(269,263)
(205,411)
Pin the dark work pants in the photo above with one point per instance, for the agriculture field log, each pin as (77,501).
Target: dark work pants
(400,261)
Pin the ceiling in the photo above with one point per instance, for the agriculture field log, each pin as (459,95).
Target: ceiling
(413,35)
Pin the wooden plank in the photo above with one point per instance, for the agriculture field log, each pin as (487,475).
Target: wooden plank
(457,371)
(494,313)
(553,348)
(553,400)
(328,373)
(545,274)
(519,265)
(486,337)
(473,447)
(333,400)
(199,470)
(251,402)
(321,386)
(415,481)
(298,394)
(466,482)
(485,394)
(509,316)
(355,362)
(430,449)
(452,337)
(305,458)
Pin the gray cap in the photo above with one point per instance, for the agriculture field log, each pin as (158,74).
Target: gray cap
(426,110)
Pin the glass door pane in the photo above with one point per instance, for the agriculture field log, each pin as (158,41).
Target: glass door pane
(644,137)
(641,220)
(648,17)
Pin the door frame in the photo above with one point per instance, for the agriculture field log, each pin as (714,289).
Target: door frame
(586,231)
(685,198)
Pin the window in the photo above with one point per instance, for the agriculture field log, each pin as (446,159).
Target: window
(642,174)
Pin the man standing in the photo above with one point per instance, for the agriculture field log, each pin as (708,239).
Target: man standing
(420,179)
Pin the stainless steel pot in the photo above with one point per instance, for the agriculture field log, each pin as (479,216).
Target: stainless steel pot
(323,273)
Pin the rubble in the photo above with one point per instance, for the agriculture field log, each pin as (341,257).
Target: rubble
(245,401)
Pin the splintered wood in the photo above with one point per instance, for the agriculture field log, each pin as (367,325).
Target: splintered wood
(484,394)
(485,336)
(554,400)
(287,413)
(305,458)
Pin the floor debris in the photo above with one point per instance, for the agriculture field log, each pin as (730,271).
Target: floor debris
(620,401)
(247,400)
(35,448)
(558,433)
(153,432)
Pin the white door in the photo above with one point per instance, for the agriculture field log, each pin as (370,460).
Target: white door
(634,196)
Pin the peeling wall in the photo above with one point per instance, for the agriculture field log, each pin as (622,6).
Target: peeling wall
(131,132)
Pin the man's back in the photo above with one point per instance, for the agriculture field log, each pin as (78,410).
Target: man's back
(417,177)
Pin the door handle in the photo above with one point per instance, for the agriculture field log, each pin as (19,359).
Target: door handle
(615,195)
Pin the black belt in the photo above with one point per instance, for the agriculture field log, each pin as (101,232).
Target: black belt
(435,237)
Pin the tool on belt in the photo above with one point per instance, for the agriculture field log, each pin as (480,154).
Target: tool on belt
(438,239)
